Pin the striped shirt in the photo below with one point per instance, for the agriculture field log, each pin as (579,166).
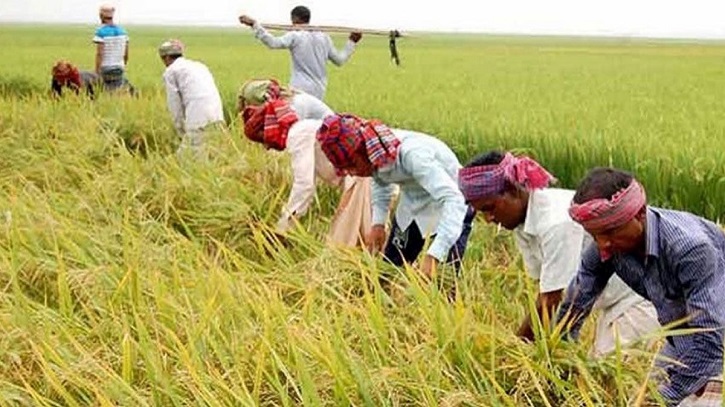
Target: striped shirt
(114,39)
(683,275)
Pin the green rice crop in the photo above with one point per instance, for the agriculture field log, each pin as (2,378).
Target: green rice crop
(130,279)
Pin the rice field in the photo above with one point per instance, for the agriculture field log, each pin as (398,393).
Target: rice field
(129,279)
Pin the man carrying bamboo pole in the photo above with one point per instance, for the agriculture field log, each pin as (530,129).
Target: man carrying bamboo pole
(310,50)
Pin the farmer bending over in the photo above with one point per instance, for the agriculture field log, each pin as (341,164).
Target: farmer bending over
(425,169)
(514,193)
(192,98)
(66,75)
(288,120)
(674,259)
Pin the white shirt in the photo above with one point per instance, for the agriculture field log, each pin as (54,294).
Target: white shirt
(551,244)
(308,163)
(191,95)
(309,107)
(310,52)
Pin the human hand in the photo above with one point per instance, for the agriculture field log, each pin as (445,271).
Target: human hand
(375,239)
(246,20)
(429,267)
(525,331)
(355,37)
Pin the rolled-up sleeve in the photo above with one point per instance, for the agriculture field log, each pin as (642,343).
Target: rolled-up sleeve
(560,247)
(339,57)
(433,178)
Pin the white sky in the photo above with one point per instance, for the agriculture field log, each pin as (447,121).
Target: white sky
(649,18)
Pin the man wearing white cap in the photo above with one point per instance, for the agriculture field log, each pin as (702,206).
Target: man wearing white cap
(192,98)
(111,50)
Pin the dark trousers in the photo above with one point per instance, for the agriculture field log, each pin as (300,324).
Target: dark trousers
(404,246)
(114,78)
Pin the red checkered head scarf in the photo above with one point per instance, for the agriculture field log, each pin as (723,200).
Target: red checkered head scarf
(66,73)
(601,213)
(269,124)
(269,119)
(490,180)
(342,135)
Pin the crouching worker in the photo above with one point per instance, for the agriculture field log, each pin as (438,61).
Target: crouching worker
(286,120)
(675,259)
(65,75)
(514,192)
(425,169)
(352,218)
(258,92)
(192,99)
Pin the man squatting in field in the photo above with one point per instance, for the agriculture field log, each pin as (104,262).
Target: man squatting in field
(66,75)
(111,51)
(192,99)
(425,169)
(674,259)
(514,192)
(284,119)
(310,51)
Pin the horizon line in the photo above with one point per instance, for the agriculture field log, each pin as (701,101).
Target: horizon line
(213,25)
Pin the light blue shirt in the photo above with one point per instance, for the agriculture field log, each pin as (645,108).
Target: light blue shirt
(310,52)
(426,171)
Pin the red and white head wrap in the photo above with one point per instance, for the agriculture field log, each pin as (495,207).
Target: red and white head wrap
(490,180)
(599,214)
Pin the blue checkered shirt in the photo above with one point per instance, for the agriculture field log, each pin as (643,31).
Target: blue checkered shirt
(683,275)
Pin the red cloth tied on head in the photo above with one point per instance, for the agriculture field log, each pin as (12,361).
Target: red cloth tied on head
(603,214)
(342,135)
(270,123)
(253,117)
(490,180)
(66,73)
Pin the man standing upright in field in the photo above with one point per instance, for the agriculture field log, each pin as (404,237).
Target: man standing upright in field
(310,51)
(674,259)
(514,192)
(111,51)
(192,98)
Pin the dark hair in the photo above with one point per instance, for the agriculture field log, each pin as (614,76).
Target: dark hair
(301,13)
(601,183)
(492,157)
